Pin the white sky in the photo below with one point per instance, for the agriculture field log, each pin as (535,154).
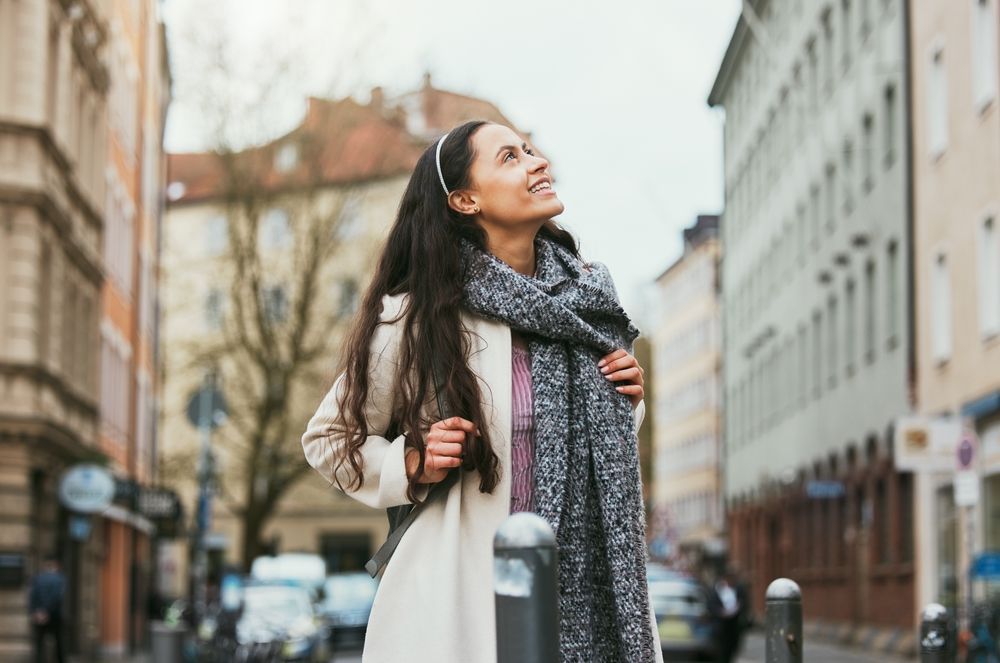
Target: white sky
(614,94)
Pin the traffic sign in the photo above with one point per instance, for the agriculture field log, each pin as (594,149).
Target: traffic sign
(965,453)
(966,488)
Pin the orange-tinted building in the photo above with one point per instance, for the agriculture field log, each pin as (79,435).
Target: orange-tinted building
(134,174)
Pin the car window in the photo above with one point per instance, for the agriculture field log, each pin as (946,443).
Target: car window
(285,601)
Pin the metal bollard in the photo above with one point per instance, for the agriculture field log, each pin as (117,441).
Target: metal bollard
(936,635)
(784,622)
(525,584)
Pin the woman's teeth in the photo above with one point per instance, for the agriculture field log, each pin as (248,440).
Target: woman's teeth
(539,187)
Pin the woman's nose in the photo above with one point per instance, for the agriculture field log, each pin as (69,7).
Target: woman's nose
(541,163)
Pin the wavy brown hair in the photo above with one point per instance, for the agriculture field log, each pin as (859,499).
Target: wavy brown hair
(422,259)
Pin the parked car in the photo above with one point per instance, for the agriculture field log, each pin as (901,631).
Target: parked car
(685,623)
(282,612)
(347,603)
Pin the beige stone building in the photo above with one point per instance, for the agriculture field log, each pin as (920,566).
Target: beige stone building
(73,77)
(367,152)
(686,348)
(956,209)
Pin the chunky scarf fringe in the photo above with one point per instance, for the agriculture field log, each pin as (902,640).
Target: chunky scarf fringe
(587,482)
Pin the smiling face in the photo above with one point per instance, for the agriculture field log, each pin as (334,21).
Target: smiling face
(509,184)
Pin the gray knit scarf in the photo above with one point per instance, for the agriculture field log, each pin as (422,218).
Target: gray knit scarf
(587,483)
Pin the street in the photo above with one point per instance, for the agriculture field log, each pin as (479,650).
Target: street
(816,652)
(753,652)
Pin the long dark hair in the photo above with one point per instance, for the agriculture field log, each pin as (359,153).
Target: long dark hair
(422,259)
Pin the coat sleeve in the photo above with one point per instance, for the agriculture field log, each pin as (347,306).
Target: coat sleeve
(384,470)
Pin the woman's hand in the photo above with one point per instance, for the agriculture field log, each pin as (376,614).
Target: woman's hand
(620,366)
(444,447)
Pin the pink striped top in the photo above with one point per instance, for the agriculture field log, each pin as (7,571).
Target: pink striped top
(523,434)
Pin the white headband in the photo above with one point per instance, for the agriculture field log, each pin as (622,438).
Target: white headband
(437,159)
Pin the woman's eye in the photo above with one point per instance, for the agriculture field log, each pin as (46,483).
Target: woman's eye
(530,151)
(509,154)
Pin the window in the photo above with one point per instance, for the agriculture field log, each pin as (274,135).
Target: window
(815,214)
(817,370)
(803,377)
(833,364)
(800,230)
(214,309)
(984,52)
(286,158)
(905,502)
(44,303)
(813,75)
(216,236)
(348,303)
(989,278)
(847,177)
(275,303)
(845,30)
(892,294)
(828,64)
(831,197)
(940,309)
(850,326)
(867,153)
(870,312)
(937,104)
(889,99)
(275,233)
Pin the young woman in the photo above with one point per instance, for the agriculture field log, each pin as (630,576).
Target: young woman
(480,291)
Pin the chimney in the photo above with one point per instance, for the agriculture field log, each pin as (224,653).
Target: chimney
(377,98)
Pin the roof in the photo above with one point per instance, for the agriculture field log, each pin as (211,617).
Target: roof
(733,51)
(340,141)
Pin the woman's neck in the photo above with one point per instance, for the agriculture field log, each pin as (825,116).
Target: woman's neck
(516,251)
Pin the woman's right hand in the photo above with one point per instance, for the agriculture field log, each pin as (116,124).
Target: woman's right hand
(444,448)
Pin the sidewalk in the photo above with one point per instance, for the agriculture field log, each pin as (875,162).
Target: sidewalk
(816,652)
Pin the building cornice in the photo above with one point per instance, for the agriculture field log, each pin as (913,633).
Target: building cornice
(42,375)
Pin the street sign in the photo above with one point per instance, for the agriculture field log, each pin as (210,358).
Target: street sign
(926,444)
(966,488)
(87,488)
(824,490)
(986,565)
(965,452)
(209,397)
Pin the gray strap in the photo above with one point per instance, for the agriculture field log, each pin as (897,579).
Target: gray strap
(381,557)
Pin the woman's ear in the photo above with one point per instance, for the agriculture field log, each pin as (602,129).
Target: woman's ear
(463,202)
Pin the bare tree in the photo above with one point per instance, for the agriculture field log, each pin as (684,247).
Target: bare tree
(277,334)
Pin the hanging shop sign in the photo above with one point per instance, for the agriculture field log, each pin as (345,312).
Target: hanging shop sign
(87,488)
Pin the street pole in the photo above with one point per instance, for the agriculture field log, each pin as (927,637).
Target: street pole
(204,511)
(525,582)
(783,622)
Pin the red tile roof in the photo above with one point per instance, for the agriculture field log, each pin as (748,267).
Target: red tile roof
(355,143)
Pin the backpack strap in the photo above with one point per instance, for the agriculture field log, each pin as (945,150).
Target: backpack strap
(381,557)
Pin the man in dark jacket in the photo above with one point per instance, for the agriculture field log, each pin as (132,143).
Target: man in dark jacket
(45,603)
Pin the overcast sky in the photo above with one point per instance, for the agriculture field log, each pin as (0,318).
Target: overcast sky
(614,94)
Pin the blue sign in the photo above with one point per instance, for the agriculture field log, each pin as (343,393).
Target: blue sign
(986,566)
(824,490)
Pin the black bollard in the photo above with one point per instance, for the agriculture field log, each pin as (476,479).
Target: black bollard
(784,622)
(525,583)
(936,635)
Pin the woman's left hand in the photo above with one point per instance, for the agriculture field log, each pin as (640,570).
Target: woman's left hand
(620,366)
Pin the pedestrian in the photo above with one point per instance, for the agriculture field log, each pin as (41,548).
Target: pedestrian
(45,604)
(732,613)
(479,286)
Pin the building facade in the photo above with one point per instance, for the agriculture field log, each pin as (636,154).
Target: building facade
(365,154)
(818,343)
(687,347)
(956,164)
(61,68)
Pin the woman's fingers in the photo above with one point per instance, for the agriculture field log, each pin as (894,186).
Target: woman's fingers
(630,374)
(456,423)
(617,354)
(446,436)
(445,449)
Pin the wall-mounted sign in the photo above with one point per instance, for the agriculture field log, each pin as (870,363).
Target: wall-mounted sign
(824,490)
(87,488)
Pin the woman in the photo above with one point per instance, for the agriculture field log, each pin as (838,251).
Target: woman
(479,287)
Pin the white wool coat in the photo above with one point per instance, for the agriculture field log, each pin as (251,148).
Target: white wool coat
(435,600)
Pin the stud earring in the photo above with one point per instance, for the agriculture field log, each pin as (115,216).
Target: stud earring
(476,209)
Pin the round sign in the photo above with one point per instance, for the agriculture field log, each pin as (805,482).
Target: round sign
(966,451)
(87,489)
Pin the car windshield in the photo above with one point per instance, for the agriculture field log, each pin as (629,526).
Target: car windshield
(285,602)
(677,598)
(350,591)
